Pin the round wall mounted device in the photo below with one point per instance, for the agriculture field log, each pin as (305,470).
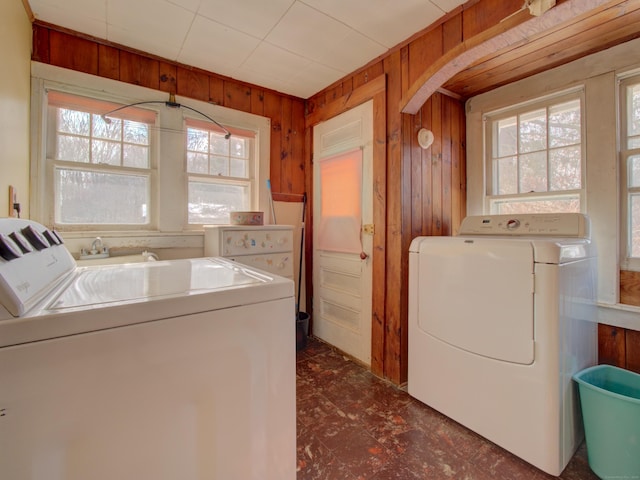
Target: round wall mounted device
(425,138)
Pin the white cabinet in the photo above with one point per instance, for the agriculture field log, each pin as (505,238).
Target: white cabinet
(267,247)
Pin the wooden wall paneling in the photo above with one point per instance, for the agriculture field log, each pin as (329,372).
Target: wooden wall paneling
(379,286)
(108,62)
(237,96)
(369,73)
(611,345)
(411,125)
(168,76)
(423,51)
(426,192)
(436,165)
(451,33)
(216,90)
(286,180)
(192,83)
(84,57)
(273,110)
(445,147)
(297,148)
(458,166)
(486,14)
(632,347)
(40,48)
(630,287)
(394,367)
(139,70)
(257,102)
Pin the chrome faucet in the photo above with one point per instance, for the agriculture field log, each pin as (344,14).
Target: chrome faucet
(97,243)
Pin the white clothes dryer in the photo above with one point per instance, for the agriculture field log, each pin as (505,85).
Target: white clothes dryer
(500,318)
(165,370)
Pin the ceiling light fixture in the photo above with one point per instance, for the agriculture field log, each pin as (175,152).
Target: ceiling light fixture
(171,103)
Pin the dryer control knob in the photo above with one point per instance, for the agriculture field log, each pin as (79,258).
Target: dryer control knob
(513,224)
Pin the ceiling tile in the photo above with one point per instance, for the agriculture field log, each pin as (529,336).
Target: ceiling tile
(82,16)
(154,26)
(215,47)
(360,52)
(389,22)
(191,5)
(254,17)
(308,32)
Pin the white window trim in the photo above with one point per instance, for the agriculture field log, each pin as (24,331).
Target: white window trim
(171,175)
(517,109)
(623,80)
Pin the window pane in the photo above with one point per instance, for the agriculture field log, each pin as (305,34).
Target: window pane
(238,147)
(72,121)
(197,140)
(219,166)
(136,132)
(110,131)
(506,137)
(106,153)
(84,197)
(564,124)
(197,163)
(564,168)
(219,144)
(566,203)
(634,225)
(533,131)
(633,142)
(533,172)
(136,156)
(239,168)
(507,175)
(633,110)
(634,171)
(211,203)
(72,149)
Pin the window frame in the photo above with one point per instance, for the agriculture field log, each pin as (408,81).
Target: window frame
(151,172)
(539,102)
(169,220)
(627,262)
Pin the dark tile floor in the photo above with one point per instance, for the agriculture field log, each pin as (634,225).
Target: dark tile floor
(353,425)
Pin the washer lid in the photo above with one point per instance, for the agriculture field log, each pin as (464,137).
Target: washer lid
(111,285)
(102,297)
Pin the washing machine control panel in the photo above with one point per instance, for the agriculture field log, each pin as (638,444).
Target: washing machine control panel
(33,259)
(574,225)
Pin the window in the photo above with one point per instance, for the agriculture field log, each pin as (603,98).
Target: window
(630,169)
(101,167)
(220,170)
(535,157)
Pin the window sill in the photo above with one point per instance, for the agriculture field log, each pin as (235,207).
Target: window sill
(619,315)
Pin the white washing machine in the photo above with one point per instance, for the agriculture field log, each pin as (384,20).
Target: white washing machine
(500,318)
(165,370)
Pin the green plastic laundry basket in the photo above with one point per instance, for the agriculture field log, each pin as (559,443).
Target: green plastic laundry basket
(610,400)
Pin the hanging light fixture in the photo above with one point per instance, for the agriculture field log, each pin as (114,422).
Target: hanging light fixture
(171,103)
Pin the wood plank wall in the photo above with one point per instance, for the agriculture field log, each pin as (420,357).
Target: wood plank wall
(70,50)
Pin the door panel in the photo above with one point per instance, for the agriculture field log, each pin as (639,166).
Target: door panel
(342,204)
(478,295)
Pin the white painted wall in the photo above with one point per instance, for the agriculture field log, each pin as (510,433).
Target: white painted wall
(15,52)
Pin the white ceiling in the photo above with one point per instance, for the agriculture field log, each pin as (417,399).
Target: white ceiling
(297,47)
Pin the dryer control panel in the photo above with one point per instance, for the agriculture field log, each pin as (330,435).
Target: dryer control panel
(571,225)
